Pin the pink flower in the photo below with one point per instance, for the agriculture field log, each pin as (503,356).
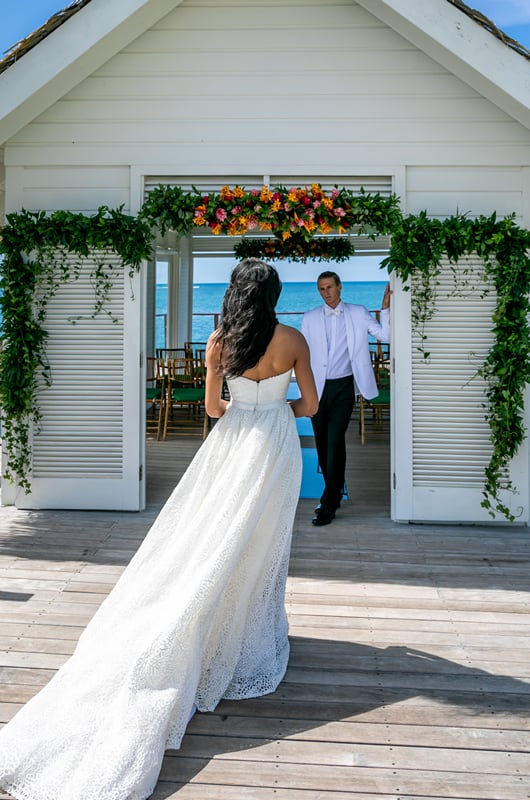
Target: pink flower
(236,210)
(317,204)
(335,193)
(254,192)
(339,212)
(252,223)
(221,214)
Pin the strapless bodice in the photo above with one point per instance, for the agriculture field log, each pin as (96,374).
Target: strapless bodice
(269,392)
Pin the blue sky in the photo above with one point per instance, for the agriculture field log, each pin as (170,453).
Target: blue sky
(20,17)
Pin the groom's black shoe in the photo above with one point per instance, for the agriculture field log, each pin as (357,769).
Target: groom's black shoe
(323,515)
(320,508)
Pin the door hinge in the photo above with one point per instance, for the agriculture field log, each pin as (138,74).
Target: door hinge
(141,360)
(394,479)
(141,472)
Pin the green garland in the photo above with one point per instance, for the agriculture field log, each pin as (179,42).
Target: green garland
(35,247)
(303,223)
(418,245)
(298,213)
(295,249)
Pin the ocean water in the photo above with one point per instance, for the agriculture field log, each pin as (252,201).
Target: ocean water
(295,299)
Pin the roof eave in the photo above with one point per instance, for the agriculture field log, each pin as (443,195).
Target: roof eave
(71,53)
(464,47)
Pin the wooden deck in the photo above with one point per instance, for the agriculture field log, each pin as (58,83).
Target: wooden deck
(410,668)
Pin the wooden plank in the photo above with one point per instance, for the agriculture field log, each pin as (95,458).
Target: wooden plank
(409,673)
(392,781)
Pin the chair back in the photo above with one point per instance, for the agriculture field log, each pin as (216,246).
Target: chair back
(170,352)
(195,349)
(154,370)
(185,372)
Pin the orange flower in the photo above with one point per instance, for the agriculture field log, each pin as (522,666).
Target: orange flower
(265,226)
(309,225)
(217,229)
(225,193)
(265,194)
(327,202)
(276,205)
(199,221)
(292,196)
(325,228)
(238,192)
(286,235)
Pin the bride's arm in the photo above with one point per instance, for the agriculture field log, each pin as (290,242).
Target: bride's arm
(307,404)
(214,403)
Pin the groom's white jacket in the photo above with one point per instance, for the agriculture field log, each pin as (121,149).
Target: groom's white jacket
(359,324)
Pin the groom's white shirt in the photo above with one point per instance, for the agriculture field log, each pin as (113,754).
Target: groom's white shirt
(359,324)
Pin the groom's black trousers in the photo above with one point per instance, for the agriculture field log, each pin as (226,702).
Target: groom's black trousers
(329,427)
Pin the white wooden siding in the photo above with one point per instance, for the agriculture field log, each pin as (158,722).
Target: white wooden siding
(290,88)
(462,189)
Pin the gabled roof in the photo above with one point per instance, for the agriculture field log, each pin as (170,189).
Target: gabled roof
(45,65)
(17,50)
(490,26)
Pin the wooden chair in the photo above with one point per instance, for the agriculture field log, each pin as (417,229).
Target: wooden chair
(170,352)
(195,349)
(377,404)
(185,390)
(155,390)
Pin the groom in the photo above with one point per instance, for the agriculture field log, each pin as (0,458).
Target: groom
(337,335)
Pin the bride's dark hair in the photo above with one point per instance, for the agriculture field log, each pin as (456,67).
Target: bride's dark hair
(248,318)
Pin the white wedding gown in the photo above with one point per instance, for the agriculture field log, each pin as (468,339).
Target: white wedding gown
(198,615)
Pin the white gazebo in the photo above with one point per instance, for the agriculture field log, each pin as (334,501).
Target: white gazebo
(108,100)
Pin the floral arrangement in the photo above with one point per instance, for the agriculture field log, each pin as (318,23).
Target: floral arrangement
(298,213)
(284,212)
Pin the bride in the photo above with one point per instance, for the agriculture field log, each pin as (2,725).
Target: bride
(198,615)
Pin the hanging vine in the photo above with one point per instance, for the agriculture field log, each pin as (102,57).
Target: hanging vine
(35,247)
(418,245)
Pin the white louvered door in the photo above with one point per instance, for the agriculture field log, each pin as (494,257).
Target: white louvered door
(87,447)
(441,444)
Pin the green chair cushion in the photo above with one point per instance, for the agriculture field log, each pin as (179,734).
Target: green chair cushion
(188,395)
(383,398)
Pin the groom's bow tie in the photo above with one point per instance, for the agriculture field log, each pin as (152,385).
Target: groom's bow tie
(332,312)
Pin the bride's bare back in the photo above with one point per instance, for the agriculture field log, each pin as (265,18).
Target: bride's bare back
(287,350)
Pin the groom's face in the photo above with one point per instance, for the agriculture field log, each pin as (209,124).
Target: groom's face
(329,291)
